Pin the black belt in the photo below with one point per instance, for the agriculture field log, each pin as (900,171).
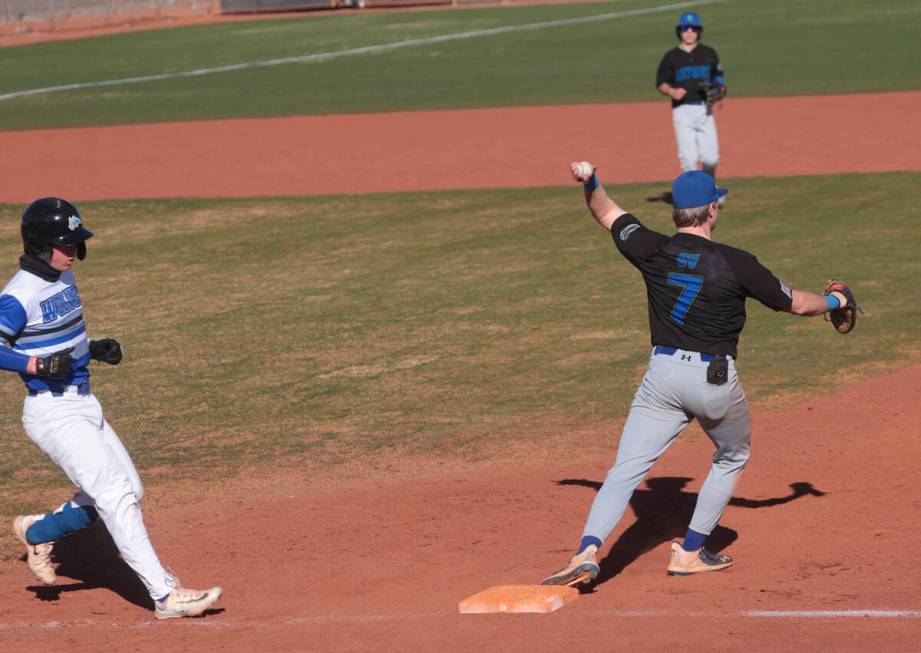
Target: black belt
(670,351)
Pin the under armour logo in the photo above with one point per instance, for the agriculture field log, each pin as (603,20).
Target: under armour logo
(685,357)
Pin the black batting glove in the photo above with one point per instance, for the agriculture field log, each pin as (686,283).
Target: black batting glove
(55,366)
(106,350)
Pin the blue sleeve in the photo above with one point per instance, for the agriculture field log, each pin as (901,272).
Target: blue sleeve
(12,318)
(13,360)
(12,322)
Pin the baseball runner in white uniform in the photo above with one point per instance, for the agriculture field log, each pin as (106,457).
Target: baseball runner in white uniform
(42,326)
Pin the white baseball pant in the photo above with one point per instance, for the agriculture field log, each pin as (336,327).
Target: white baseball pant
(72,431)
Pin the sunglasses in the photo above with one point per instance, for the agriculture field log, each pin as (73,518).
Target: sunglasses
(690,27)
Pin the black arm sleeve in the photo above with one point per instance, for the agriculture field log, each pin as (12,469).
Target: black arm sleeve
(666,72)
(757,281)
(716,70)
(633,240)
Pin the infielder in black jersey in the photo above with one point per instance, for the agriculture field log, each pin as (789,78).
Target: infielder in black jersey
(696,290)
(684,74)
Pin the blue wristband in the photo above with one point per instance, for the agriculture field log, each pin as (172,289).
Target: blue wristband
(592,184)
(832,303)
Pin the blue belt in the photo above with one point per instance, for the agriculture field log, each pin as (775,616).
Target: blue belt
(694,102)
(670,351)
(83,390)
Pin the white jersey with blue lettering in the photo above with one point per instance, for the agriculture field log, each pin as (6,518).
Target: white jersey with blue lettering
(40,317)
(41,314)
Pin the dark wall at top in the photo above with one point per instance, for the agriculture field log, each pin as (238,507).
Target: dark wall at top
(245,6)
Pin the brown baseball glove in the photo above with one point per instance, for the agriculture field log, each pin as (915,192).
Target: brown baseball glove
(844,319)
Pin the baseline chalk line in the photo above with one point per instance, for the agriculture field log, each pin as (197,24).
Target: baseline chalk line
(220,622)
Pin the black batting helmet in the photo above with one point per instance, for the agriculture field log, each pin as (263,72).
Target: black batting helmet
(52,221)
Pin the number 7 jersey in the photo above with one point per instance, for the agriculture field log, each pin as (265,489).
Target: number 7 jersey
(696,288)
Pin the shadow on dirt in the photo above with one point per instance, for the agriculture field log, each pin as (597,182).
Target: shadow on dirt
(90,557)
(665,197)
(663,512)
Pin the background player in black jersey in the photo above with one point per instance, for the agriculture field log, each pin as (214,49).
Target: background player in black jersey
(682,75)
(696,291)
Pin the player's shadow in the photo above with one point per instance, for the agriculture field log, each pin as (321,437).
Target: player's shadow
(664,197)
(663,512)
(89,557)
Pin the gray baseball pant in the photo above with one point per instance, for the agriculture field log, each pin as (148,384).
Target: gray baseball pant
(673,392)
(695,133)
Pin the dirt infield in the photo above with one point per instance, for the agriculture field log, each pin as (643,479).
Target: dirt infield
(486,148)
(822,530)
(822,527)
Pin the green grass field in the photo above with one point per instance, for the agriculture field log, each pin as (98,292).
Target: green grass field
(783,47)
(309,332)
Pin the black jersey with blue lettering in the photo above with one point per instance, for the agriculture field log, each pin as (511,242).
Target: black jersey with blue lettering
(690,70)
(696,288)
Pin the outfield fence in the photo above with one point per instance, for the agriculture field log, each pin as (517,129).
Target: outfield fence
(249,6)
(20,16)
(257,6)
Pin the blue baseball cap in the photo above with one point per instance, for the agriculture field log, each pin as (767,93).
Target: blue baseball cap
(689,19)
(695,188)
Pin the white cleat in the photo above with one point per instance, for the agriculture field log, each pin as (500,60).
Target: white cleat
(38,555)
(183,602)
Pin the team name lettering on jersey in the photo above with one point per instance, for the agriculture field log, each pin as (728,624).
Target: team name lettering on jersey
(685,260)
(692,72)
(61,304)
